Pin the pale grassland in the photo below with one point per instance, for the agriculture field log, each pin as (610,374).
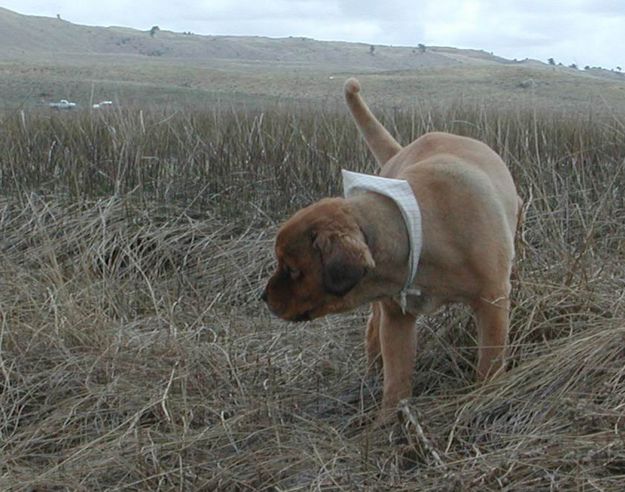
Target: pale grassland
(144,82)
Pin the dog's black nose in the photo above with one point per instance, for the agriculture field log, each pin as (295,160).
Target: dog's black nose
(263,296)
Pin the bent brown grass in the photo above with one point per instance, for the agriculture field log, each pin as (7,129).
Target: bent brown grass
(135,354)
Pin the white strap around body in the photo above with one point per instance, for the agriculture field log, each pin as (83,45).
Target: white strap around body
(401,193)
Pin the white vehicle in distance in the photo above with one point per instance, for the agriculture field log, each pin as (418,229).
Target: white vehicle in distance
(63,104)
(102,104)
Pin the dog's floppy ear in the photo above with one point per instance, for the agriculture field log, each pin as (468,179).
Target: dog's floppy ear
(345,258)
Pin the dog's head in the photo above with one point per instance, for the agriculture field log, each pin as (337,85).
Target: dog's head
(322,255)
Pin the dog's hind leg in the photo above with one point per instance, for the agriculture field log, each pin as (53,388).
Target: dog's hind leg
(378,139)
(492,314)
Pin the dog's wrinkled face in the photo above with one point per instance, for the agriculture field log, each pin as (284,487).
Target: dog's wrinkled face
(322,255)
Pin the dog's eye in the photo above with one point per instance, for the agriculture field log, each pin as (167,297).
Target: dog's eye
(294,273)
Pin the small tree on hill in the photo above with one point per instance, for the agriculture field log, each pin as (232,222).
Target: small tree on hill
(551,61)
(371,50)
(154,30)
(421,47)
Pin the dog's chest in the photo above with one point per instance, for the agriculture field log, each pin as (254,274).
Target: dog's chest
(420,303)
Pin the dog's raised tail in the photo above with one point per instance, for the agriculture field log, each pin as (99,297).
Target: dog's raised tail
(378,139)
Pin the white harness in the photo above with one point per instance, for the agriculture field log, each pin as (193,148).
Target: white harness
(401,193)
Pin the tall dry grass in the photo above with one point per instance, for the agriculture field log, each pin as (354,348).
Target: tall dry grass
(135,355)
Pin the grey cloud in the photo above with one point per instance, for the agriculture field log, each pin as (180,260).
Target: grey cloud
(379,10)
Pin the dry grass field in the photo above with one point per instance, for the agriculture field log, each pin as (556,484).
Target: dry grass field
(136,355)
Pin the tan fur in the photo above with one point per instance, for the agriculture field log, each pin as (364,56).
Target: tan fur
(378,139)
(340,253)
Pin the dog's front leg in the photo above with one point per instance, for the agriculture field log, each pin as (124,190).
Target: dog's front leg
(398,342)
(492,334)
(372,339)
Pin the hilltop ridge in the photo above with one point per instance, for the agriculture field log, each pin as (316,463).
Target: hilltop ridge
(23,35)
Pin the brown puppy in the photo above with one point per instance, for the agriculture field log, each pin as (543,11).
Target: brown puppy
(339,253)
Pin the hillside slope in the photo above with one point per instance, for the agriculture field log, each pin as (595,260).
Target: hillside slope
(24,36)
(44,59)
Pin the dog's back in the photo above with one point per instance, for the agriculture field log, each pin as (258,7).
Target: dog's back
(444,149)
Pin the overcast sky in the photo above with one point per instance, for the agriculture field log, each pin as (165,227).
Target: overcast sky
(585,32)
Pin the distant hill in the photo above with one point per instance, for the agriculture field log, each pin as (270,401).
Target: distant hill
(22,35)
(45,59)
